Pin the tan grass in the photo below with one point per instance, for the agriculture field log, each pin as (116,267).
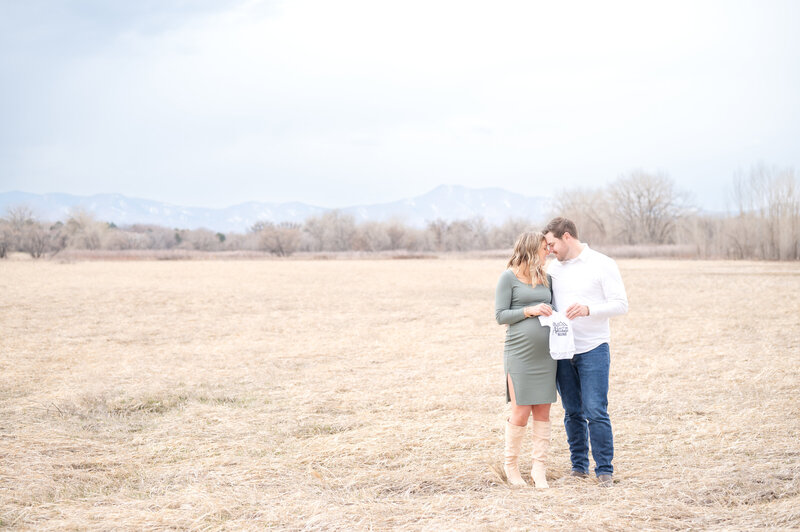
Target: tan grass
(323,395)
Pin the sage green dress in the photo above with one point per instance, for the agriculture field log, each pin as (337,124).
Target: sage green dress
(526,357)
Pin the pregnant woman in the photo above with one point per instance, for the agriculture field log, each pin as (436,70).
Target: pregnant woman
(523,292)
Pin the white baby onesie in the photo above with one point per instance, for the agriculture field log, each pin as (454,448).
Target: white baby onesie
(562,342)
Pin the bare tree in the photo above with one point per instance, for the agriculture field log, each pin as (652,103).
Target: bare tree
(238,241)
(590,210)
(314,230)
(161,237)
(27,232)
(458,235)
(119,239)
(83,231)
(35,239)
(279,239)
(340,230)
(705,232)
(332,231)
(768,213)
(480,232)
(6,238)
(437,233)
(18,217)
(372,236)
(199,239)
(647,207)
(398,234)
(504,235)
(58,237)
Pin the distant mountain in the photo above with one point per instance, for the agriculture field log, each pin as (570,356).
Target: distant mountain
(446,202)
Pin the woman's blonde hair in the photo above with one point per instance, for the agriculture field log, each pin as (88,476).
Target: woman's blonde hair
(525,252)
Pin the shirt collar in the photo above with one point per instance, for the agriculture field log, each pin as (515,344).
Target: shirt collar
(583,256)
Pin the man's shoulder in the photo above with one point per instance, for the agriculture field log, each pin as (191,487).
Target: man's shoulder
(599,257)
(603,265)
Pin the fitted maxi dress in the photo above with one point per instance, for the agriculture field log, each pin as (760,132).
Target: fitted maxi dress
(526,356)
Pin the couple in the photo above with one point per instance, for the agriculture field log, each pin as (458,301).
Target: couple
(586,287)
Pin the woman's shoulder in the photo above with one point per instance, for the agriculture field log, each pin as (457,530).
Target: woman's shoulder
(507,276)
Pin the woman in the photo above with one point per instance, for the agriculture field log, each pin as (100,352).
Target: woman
(523,292)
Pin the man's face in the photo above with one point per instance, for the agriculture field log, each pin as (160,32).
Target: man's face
(557,246)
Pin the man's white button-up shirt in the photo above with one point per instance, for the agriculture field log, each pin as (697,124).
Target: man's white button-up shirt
(590,279)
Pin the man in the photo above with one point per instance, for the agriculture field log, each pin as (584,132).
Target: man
(588,288)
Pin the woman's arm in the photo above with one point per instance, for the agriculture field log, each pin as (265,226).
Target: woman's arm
(502,303)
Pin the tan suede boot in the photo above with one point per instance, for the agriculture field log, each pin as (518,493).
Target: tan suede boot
(514,437)
(541,444)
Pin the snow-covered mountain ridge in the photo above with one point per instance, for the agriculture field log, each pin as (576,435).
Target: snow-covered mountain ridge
(446,202)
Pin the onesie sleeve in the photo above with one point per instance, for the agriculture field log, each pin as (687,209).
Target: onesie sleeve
(503,312)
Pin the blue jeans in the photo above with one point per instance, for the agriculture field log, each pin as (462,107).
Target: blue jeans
(583,385)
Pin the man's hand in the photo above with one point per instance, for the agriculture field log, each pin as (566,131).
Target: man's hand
(576,310)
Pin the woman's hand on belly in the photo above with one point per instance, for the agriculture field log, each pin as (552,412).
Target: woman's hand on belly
(542,309)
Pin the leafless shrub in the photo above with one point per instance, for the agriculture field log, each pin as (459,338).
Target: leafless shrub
(280,239)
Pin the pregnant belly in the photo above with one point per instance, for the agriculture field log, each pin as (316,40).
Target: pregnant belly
(527,334)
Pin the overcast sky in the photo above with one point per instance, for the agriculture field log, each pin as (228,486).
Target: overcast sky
(213,103)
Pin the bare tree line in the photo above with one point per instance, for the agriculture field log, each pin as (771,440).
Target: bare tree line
(639,209)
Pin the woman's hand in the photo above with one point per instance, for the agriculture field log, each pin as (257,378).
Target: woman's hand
(542,309)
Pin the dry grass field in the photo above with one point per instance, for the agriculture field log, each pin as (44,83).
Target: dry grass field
(358,394)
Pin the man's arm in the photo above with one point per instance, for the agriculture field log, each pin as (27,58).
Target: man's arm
(616,300)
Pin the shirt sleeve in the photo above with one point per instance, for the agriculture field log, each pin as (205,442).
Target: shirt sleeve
(502,303)
(616,300)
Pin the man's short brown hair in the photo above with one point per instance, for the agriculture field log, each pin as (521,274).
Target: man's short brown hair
(559,226)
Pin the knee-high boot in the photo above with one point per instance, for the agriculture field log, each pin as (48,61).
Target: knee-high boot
(514,436)
(541,445)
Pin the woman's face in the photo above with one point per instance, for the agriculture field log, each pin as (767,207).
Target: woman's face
(543,251)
